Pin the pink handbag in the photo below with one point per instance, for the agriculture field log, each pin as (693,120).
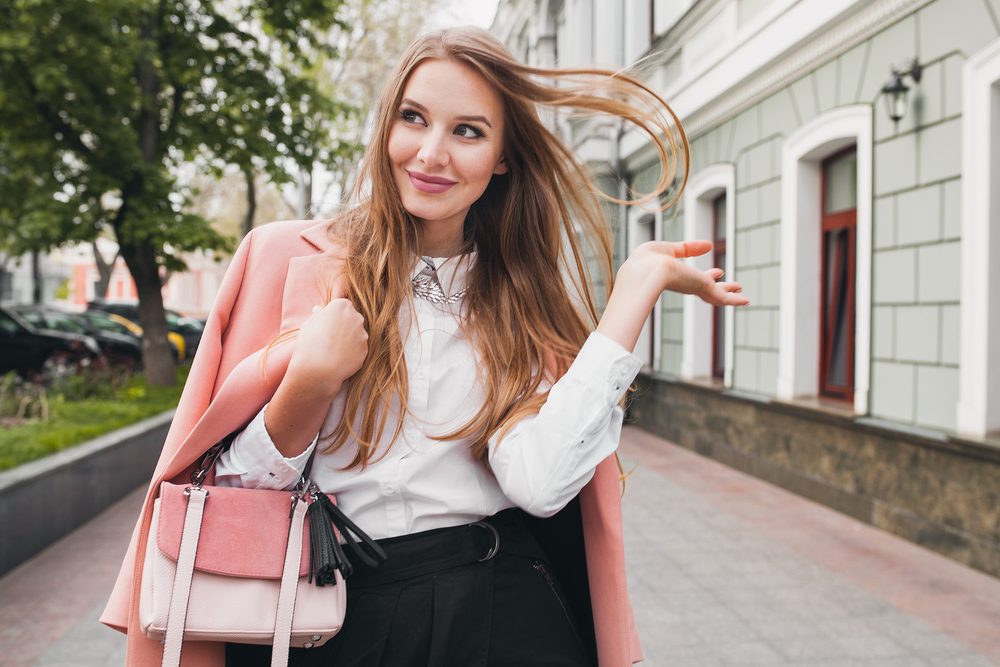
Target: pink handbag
(237,565)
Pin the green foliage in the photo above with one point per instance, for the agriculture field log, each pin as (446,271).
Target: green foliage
(62,291)
(20,400)
(70,383)
(103,101)
(73,422)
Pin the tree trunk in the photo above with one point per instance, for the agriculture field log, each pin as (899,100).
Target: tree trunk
(104,269)
(251,202)
(36,277)
(156,357)
(140,256)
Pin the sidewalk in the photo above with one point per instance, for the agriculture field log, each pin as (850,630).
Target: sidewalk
(724,570)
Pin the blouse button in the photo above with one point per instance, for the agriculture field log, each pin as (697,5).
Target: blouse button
(390,489)
(421,375)
(615,386)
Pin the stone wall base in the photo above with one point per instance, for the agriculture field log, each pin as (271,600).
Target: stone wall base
(939,491)
(45,499)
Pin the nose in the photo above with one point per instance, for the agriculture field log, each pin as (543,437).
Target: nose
(434,151)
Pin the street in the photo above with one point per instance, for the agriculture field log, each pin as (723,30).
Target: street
(724,569)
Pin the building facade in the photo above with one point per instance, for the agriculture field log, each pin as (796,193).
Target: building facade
(861,221)
(69,278)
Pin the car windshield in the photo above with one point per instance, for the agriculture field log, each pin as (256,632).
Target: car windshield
(61,322)
(8,324)
(197,325)
(33,318)
(104,324)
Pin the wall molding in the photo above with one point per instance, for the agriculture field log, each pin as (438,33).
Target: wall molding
(841,38)
(701,191)
(978,410)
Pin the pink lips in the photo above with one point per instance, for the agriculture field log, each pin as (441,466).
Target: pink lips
(430,184)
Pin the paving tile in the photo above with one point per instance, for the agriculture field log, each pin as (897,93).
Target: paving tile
(723,570)
(772,589)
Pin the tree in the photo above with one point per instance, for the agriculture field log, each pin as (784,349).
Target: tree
(369,42)
(103,100)
(224,200)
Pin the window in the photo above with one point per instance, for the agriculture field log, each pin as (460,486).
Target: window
(825,315)
(8,325)
(708,332)
(719,261)
(839,231)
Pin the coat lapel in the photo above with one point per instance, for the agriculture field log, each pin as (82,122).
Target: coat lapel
(252,382)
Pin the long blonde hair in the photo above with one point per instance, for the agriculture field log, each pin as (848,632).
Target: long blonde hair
(518,312)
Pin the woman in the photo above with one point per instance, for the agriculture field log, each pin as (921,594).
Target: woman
(429,355)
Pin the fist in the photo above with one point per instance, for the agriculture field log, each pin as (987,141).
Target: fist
(331,346)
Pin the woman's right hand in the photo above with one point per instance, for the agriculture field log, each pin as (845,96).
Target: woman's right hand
(330,347)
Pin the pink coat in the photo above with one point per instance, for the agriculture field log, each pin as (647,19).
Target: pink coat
(274,282)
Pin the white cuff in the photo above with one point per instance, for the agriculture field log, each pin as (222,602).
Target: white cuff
(253,462)
(602,357)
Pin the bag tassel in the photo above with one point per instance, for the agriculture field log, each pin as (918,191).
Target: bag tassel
(326,554)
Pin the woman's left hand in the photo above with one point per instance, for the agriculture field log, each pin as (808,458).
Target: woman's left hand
(652,268)
(657,266)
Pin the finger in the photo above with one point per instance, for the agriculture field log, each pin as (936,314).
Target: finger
(732,294)
(735,299)
(730,286)
(691,248)
(715,273)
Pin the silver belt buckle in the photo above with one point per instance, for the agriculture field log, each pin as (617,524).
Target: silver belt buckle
(496,539)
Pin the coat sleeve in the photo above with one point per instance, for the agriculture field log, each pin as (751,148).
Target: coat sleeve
(194,401)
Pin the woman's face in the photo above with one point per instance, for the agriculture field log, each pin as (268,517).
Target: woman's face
(445,144)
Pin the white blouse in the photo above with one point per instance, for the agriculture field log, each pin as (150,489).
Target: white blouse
(416,483)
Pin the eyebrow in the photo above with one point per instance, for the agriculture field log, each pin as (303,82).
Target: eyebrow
(421,107)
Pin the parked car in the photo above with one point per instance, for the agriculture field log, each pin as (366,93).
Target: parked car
(119,348)
(187,327)
(25,349)
(119,324)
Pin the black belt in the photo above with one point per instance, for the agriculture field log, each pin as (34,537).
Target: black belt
(440,549)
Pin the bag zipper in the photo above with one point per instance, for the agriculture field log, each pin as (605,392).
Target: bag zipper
(552,586)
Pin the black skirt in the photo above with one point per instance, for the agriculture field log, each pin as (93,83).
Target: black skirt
(451,597)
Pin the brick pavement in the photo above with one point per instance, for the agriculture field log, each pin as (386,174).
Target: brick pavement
(723,569)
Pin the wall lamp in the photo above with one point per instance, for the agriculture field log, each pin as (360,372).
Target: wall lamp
(896,91)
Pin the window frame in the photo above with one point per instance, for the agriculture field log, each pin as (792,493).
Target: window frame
(702,190)
(831,222)
(801,154)
(719,312)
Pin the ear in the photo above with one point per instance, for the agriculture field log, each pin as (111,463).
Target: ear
(501,167)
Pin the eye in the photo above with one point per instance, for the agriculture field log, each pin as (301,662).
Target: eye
(469,132)
(411,116)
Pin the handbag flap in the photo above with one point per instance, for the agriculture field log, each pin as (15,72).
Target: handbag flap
(243,531)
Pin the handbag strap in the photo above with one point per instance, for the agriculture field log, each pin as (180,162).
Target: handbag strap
(289,584)
(180,594)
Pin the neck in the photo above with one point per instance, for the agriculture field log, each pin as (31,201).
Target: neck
(442,240)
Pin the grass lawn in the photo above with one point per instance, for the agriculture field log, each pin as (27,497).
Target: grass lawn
(71,423)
